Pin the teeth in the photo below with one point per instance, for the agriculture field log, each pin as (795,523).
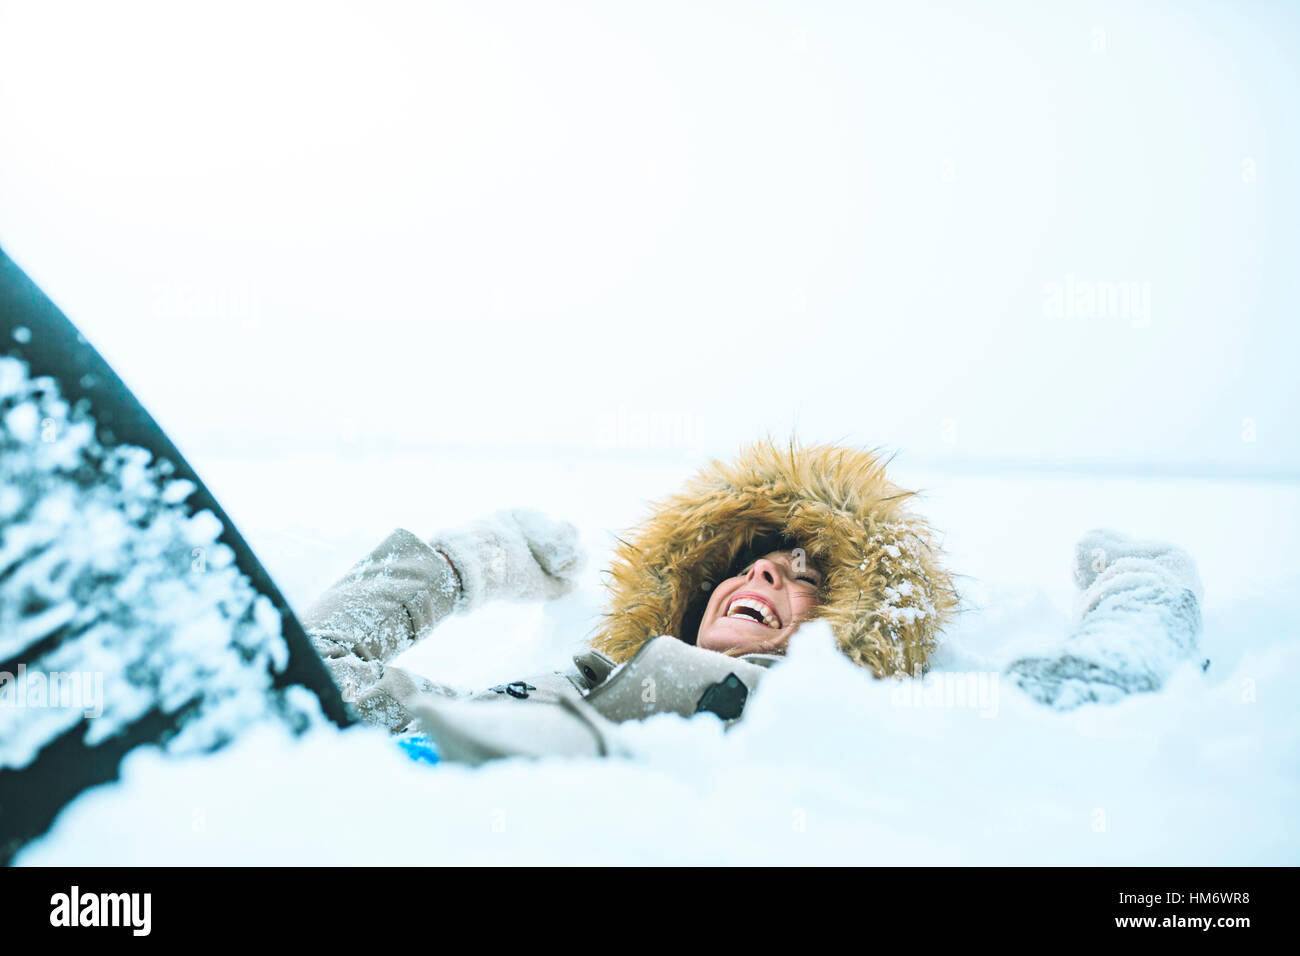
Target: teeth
(768,618)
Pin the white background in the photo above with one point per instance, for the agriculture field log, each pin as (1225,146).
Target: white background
(672,226)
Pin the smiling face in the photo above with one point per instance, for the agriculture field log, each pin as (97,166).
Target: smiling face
(758,609)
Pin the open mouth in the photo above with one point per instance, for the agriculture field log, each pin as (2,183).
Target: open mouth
(752,608)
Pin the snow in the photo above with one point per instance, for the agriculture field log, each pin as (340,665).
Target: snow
(828,766)
(1163,778)
(96,555)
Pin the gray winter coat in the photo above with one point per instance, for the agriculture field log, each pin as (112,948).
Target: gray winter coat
(394,596)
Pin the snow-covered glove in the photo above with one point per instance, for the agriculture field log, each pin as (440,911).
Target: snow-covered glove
(1140,618)
(518,554)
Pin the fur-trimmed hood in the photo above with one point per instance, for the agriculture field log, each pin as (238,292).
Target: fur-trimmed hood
(885,593)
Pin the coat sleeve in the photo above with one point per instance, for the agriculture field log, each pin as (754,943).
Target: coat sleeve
(384,604)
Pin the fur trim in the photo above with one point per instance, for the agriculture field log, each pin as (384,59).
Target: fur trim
(885,593)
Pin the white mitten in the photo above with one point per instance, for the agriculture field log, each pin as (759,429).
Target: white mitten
(1141,618)
(519,554)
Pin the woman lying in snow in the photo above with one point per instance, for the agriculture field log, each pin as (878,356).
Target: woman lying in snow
(705,596)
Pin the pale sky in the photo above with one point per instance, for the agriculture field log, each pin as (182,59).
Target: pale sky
(675,225)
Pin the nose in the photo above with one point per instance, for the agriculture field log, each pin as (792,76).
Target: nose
(766,571)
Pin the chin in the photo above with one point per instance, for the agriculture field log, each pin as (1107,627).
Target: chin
(712,644)
(716,640)
(713,641)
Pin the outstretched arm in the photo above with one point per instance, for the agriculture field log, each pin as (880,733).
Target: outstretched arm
(386,602)
(398,593)
(1140,619)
